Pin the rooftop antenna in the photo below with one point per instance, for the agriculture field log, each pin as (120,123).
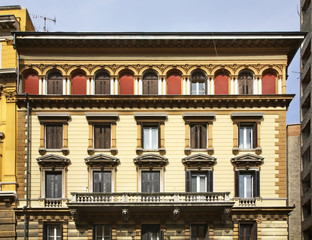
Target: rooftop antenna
(45,19)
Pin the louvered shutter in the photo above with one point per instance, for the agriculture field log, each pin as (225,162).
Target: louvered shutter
(188,181)
(107,136)
(210,181)
(193,129)
(249,84)
(254,135)
(236,183)
(256,183)
(107,182)
(102,84)
(59,137)
(203,136)
(58,185)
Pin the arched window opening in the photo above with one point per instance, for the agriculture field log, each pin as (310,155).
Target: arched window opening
(269,82)
(150,83)
(198,82)
(221,82)
(31,82)
(245,83)
(79,82)
(102,83)
(55,83)
(126,83)
(174,82)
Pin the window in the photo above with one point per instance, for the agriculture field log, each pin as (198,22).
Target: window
(199,232)
(247,231)
(53,231)
(198,83)
(150,181)
(247,184)
(102,136)
(150,83)
(199,181)
(198,136)
(102,232)
(247,135)
(102,83)
(53,136)
(151,232)
(150,137)
(245,83)
(53,184)
(102,181)
(79,82)
(55,83)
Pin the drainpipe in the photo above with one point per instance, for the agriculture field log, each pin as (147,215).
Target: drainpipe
(18,83)
(27,171)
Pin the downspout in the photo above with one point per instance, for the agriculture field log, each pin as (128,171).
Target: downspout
(27,170)
(18,84)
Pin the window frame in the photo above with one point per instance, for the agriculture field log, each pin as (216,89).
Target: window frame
(154,169)
(159,232)
(45,230)
(61,82)
(245,85)
(253,231)
(198,81)
(198,138)
(209,181)
(147,82)
(150,141)
(103,125)
(197,226)
(255,182)
(94,228)
(97,80)
(97,169)
(44,183)
(46,137)
(253,135)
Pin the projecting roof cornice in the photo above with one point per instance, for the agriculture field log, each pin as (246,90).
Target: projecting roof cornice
(159,101)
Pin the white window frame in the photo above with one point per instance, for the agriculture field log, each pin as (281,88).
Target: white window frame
(155,169)
(150,136)
(245,184)
(43,180)
(245,136)
(112,170)
(197,88)
(55,226)
(198,175)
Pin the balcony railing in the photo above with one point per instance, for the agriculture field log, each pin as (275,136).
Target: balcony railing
(152,198)
(53,202)
(247,202)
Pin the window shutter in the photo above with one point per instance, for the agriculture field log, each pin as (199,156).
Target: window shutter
(107,136)
(96,182)
(193,136)
(249,84)
(238,134)
(254,232)
(203,136)
(145,182)
(61,230)
(58,185)
(161,233)
(59,136)
(155,182)
(107,182)
(254,135)
(240,85)
(210,181)
(256,182)
(236,183)
(188,177)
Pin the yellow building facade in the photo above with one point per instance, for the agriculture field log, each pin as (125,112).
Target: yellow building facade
(153,135)
(12,18)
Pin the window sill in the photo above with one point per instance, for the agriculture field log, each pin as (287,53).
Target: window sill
(113,151)
(258,151)
(161,151)
(188,151)
(43,151)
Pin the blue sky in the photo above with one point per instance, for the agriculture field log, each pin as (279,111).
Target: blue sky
(174,15)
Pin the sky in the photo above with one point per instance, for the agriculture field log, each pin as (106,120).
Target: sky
(173,16)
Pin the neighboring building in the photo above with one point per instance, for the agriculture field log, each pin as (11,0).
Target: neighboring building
(305,104)
(12,18)
(153,135)
(294,180)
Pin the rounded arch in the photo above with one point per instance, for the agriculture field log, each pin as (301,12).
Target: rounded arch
(194,68)
(178,68)
(48,69)
(225,70)
(102,82)
(74,69)
(97,69)
(26,69)
(151,72)
(147,68)
(272,70)
(150,82)
(244,68)
(126,82)
(101,72)
(198,82)
(54,82)
(245,81)
(174,81)
(269,81)
(30,81)
(78,82)
(120,71)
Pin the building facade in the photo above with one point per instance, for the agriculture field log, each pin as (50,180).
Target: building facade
(12,18)
(153,135)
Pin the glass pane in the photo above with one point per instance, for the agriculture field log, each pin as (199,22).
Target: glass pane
(248,185)
(202,184)
(193,87)
(248,137)
(193,184)
(201,88)
(241,185)
(154,138)
(241,137)
(146,140)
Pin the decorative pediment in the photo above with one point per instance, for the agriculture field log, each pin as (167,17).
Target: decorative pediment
(150,160)
(199,160)
(53,161)
(247,160)
(102,160)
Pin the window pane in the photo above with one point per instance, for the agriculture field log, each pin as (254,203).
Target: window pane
(150,137)
(101,181)
(248,179)
(53,185)
(150,181)
(245,137)
(248,137)
(146,142)
(203,181)
(154,138)
(193,184)
(246,185)
(241,185)
(201,88)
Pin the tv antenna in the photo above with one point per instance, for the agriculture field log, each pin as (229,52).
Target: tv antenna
(45,19)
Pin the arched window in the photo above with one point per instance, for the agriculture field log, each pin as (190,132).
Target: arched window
(79,82)
(269,82)
(31,82)
(102,83)
(150,83)
(126,83)
(245,83)
(198,82)
(55,83)
(174,82)
(221,82)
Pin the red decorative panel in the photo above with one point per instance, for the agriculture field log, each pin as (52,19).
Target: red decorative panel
(79,84)
(31,83)
(221,83)
(268,83)
(126,84)
(174,84)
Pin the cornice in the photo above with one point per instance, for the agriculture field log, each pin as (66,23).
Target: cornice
(156,101)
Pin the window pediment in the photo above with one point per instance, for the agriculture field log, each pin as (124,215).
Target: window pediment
(247,160)
(150,160)
(199,160)
(52,160)
(102,160)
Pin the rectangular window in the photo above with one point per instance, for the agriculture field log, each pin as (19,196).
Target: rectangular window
(150,181)
(53,184)
(198,136)
(150,140)
(247,184)
(247,231)
(102,136)
(199,181)
(198,88)
(247,135)
(102,181)
(199,232)
(102,232)
(53,232)
(54,136)
(150,232)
